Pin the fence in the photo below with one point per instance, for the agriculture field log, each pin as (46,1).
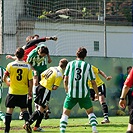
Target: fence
(81,20)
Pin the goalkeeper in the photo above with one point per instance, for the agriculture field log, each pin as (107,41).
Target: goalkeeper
(31,43)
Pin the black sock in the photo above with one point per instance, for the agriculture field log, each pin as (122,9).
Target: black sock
(25,115)
(105,110)
(8,118)
(39,120)
(30,106)
(129,132)
(34,116)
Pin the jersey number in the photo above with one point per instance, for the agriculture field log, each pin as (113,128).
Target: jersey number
(48,73)
(78,74)
(19,76)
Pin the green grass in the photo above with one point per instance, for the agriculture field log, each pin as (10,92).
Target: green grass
(79,125)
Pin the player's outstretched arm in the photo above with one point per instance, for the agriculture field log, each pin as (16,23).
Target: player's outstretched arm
(11,57)
(104,75)
(36,41)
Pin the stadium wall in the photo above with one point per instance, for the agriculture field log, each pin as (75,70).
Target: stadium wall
(108,65)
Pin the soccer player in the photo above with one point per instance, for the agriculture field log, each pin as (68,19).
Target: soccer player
(76,86)
(37,59)
(130,92)
(122,103)
(20,85)
(2,70)
(50,80)
(102,91)
(31,43)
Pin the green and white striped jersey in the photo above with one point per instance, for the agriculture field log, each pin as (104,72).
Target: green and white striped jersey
(2,70)
(38,63)
(78,72)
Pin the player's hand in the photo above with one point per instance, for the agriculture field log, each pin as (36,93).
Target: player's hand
(49,60)
(54,38)
(109,77)
(35,73)
(122,103)
(30,95)
(96,97)
(8,57)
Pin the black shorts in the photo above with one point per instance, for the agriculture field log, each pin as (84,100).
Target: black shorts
(101,90)
(42,96)
(16,100)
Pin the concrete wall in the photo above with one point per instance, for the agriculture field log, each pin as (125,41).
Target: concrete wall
(72,36)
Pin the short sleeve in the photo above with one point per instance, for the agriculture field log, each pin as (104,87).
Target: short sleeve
(58,81)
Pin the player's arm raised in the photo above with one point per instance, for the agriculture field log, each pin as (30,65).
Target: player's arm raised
(36,41)
(104,75)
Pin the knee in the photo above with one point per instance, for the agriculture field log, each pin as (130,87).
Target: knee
(131,117)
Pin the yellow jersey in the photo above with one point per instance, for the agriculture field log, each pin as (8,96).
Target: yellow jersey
(20,73)
(98,80)
(51,77)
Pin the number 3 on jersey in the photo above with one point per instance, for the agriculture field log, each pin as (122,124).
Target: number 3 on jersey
(19,76)
(78,74)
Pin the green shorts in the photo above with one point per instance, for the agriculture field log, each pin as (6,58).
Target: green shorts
(70,102)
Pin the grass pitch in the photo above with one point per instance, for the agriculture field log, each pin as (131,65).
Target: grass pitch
(79,125)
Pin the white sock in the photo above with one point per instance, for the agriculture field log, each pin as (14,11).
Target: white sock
(63,123)
(34,91)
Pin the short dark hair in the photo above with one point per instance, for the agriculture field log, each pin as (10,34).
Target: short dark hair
(43,49)
(129,67)
(35,35)
(81,52)
(19,53)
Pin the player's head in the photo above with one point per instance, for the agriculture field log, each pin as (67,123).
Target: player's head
(36,36)
(63,63)
(129,69)
(81,52)
(43,51)
(19,53)
(29,38)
